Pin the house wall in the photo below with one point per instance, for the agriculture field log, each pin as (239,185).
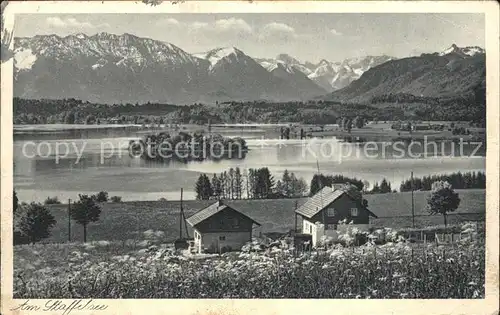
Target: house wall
(197,241)
(342,207)
(309,227)
(323,225)
(317,230)
(212,241)
(227,220)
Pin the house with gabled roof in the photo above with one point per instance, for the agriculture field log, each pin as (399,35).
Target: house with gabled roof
(323,213)
(219,228)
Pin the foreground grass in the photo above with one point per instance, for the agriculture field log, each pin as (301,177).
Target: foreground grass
(124,270)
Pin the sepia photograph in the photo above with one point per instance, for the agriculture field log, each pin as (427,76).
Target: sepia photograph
(260,155)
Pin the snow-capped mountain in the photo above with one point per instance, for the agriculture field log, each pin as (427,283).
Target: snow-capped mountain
(464,52)
(110,68)
(290,70)
(336,75)
(328,75)
(303,67)
(105,67)
(125,68)
(235,73)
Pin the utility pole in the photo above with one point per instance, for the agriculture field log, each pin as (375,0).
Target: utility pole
(412,203)
(246,181)
(295,225)
(180,218)
(69,220)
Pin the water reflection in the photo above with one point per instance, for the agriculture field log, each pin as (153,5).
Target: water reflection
(89,165)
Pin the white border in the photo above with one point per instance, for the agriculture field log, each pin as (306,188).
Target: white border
(171,306)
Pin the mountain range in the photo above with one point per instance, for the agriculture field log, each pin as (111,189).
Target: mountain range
(329,75)
(453,73)
(110,68)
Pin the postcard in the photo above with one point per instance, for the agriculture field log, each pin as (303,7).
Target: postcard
(232,157)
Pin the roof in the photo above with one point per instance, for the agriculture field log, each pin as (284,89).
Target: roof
(321,200)
(211,210)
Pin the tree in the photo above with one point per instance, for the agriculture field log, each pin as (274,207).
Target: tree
(52,201)
(385,186)
(279,188)
(85,211)
(251,184)
(238,183)
(216,187)
(222,180)
(203,188)
(359,122)
(317,182)
(90,119)
(70,118)
(286,184)
(116,199)
(345,121)
(102,196)
(298,186)
(349,125)
(230,182)
(442,199)
(265,183)
(36,222)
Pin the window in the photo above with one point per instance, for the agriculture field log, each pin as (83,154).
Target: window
(236,223)
(310,229)
(222,238)
(354,212)
(331,212)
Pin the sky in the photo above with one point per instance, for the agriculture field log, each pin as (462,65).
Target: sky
(305,36)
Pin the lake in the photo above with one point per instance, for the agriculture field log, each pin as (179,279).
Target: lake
(65,163)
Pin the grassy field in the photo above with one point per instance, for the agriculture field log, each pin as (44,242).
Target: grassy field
(129,220)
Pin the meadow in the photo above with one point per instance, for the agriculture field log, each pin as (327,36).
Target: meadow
(140,270)
(128,220)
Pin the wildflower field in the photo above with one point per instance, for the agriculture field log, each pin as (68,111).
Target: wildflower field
(152,269)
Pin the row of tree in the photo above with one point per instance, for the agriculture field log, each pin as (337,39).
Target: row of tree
(260,184)
(458,180)
(347,115)
(383,188)
(250,184)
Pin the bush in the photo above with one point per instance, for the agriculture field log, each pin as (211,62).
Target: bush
(35,222)
(116,199)
(102,196)
(52,201)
